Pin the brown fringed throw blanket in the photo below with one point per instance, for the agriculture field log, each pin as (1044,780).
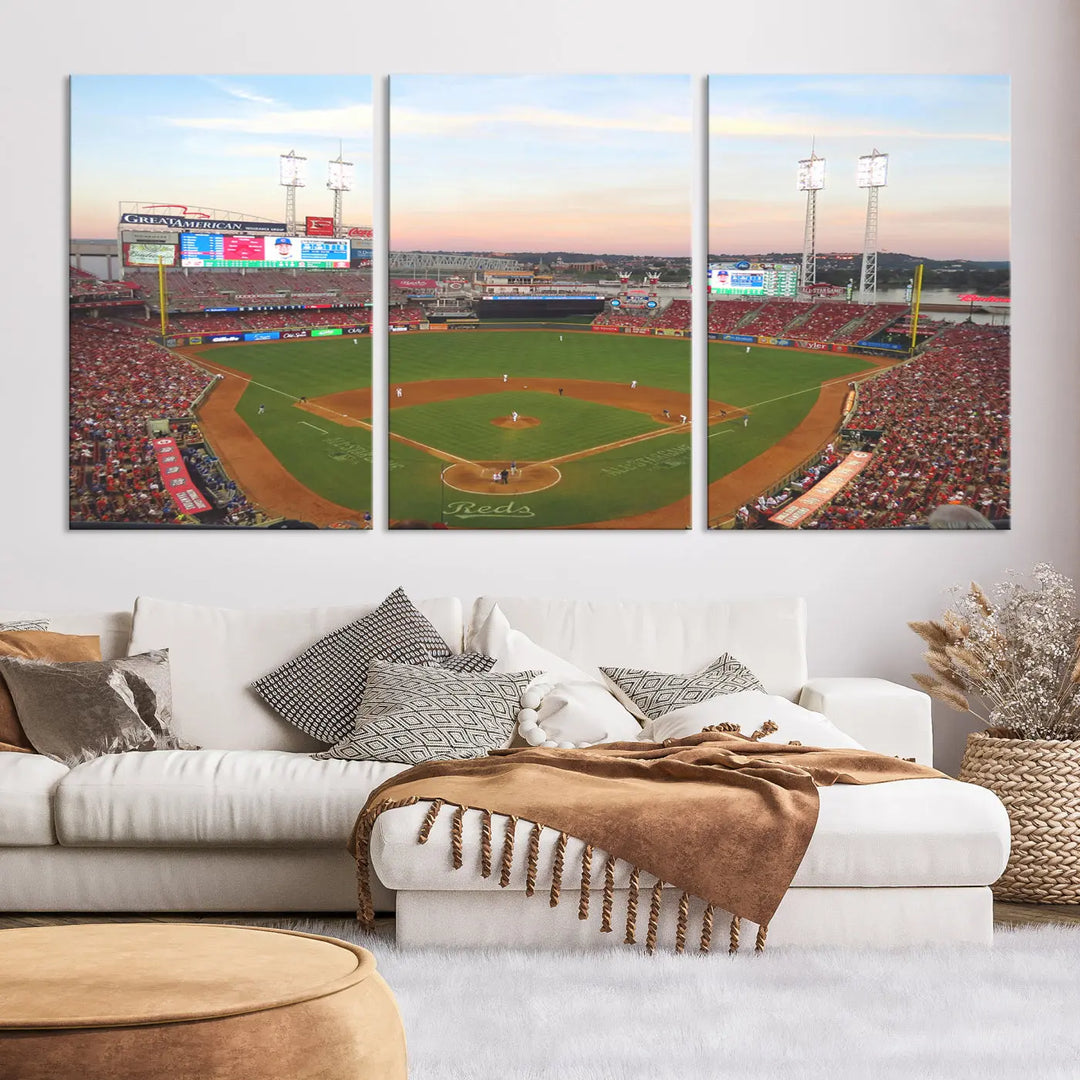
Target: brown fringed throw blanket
(717,815)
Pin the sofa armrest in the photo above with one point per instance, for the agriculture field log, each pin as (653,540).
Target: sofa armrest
(883,716)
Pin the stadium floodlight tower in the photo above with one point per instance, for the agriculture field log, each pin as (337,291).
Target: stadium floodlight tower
(811,178)
(871,174)
(339,180)
(291,175)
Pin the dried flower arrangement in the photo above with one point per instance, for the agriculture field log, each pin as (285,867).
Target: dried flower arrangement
(1010,656)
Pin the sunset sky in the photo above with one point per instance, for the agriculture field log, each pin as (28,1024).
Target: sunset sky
(948,143)
(214,141)
(525,163)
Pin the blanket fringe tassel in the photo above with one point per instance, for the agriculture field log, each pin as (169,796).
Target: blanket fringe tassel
(557,869)
(485,844)
(365,913)
(609,895)
(586,882)
(534,855)
(508,851)
(654,917)
(631,907)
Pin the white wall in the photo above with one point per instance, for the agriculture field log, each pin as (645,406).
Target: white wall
(862,587)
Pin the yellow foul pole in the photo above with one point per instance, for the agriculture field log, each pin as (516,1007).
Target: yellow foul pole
(163,298)
(916,296)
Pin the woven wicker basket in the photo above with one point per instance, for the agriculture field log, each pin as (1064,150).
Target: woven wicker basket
(1038,780)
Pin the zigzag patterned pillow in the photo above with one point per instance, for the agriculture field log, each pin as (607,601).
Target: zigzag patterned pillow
(414,714)
(320,690)
(651,694)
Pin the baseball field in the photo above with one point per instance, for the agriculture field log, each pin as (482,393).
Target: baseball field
(295,459)
(602,453)
(611,450)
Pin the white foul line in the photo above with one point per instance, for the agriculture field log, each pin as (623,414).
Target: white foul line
(306,424)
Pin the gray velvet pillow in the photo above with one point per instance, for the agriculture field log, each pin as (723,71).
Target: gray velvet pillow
(77,711)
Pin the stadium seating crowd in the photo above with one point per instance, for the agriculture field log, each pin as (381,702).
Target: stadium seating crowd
(119,381)
(725,315)
(84,286)
(878,317)
(946,437)
(827,319)
(774,316)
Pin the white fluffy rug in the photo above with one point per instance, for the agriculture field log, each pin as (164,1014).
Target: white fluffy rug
(920,1014)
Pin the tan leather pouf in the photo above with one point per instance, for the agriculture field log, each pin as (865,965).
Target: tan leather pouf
(180,1001)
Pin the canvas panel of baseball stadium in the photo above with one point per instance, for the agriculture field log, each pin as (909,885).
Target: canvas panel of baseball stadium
(858,299)
(540,302)
(220,302)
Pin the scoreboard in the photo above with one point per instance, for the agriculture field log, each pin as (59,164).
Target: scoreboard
(244,252)
(754,279)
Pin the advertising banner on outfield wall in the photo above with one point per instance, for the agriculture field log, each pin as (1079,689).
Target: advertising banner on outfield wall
(355,329)
(839,348)
(783,341)
(881,345)
(262,335)
(812,345)
(605,329)
(739,337)
(326,331)
(462,326)
(291,334)
(176,480)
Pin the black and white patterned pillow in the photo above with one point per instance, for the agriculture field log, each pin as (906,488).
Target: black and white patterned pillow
(651,694)
(23,624)
(414,714)
(320,690)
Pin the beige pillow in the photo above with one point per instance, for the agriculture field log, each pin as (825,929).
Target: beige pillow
(36,645)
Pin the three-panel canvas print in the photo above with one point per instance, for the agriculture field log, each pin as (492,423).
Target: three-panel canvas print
(538,302)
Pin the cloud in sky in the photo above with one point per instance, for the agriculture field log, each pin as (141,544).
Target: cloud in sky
(213,141)
(948,141)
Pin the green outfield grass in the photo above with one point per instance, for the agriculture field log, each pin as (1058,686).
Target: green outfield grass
(777,386)
(465,354)
(616,483)
(332,460)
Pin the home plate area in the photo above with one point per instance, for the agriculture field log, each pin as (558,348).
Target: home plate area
(479,477)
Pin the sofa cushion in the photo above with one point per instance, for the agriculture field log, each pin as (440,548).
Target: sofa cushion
(768,636)
(415,714)
(112,627)
(320,690)
(750,710)
(27,783)
(565,705)
(209,797)
(903,833)
(651,694)
(216,652)
(36,645)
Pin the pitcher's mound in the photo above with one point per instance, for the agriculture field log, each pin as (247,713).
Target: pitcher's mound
(520,422)
(479,478)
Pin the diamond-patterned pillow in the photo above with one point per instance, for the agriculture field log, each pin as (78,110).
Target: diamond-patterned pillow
(24,624)
(651,694)
(414,714)
(320,690)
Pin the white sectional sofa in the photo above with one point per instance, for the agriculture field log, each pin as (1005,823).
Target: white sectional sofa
(252,823)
